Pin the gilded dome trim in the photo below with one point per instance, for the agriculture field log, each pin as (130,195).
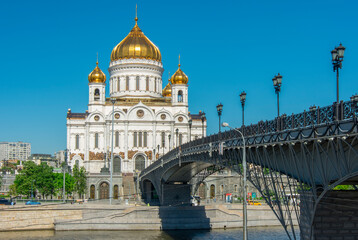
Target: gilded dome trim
(136,45)
(97,76)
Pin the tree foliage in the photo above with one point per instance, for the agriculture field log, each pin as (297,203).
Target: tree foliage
(80,180)
(46,182)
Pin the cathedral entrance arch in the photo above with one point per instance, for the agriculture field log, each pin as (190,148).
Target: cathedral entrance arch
(117,164)
(202,191)
(115,192)
(139,163)
(104,191)
(92,192)
(212,191)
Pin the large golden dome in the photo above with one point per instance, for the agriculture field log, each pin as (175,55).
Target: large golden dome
(136,45)
(167,91)
(179,77)
(97,76)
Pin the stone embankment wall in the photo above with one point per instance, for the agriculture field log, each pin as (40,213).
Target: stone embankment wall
(120,217)
(34,217)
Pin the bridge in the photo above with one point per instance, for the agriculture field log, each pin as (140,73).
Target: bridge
(307,154)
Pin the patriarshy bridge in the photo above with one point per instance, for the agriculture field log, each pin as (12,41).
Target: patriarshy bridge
(306,154)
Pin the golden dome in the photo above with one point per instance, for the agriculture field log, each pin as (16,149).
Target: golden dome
(179,76)
(97,76)
(167,91)
(136,45)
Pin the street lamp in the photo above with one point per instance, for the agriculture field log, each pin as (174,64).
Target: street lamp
(64,175)
(169,136)
(202,122)
(113,100)
(277,80)
(155,156)
(337,59)
(190,124)
(244,171)
(219,108)
(177,137)
(242,100)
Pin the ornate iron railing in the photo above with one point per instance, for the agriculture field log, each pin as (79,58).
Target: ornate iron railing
(315,116)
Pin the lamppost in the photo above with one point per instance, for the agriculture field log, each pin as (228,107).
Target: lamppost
(177,137)
(64,175)
(158,150)
(190,124)
(113,100)
(155,156)
(163,144)
(277,80)
(202,123)
(169,136)
(219,108)
(337,59)
(32,191)
(242,100)
(245,186)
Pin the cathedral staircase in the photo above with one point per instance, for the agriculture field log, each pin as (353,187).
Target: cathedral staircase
(129,187)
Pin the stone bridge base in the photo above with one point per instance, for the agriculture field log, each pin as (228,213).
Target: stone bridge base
(336,217)
(176,194)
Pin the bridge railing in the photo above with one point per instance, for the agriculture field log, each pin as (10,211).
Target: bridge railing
(315,116)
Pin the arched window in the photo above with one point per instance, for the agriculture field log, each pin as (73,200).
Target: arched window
(180,139)
(77,141)
(147,84)
(116,164)
(145,139)
(140,134)
(116,139)
(77,163)
(135,139)
(155,84)
(137,83)
(163,139)
(96,94)
(96,140)
(127,83)
(180,96)
(118,84)
(139,163)
(235,188)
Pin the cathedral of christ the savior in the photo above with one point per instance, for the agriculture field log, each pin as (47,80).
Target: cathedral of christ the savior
(147,121)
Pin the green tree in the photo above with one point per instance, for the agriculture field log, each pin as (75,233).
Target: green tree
(80,180)
(69,185)
(45,180)
(24,179)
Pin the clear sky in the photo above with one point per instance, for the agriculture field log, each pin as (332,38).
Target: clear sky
(48,48)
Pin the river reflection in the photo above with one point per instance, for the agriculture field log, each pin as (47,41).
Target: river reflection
(267,233)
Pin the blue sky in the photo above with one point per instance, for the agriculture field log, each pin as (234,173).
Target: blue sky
(48,49)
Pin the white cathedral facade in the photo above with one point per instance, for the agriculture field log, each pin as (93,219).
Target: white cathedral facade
(148,121)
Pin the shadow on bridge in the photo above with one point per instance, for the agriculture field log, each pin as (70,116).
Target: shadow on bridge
(183,217)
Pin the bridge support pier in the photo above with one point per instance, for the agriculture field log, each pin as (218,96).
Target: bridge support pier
(175,194)
(336,216)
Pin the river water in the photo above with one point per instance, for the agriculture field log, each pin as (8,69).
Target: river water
(257,233)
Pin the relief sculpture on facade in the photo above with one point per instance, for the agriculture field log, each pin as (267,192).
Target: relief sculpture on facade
(96,156)
(131,153)
(149,154)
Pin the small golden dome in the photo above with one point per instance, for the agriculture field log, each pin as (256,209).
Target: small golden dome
(167,91)
(97,76)
(136,45)
(179,77)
